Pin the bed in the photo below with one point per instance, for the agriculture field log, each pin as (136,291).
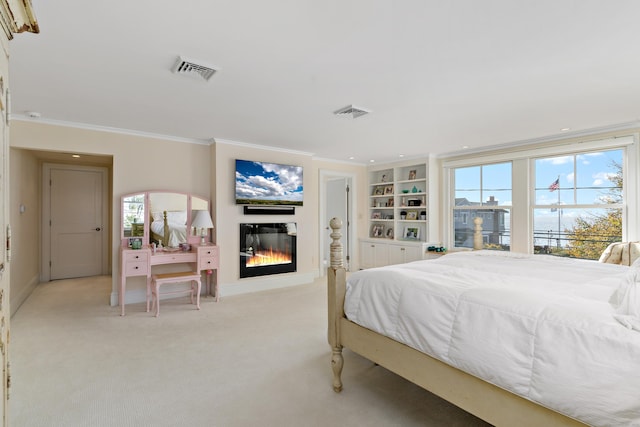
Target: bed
(170,227)
(514,339)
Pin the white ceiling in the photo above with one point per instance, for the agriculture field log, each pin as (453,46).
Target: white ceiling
(436,74)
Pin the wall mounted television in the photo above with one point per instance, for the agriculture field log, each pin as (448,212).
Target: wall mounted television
(265,183)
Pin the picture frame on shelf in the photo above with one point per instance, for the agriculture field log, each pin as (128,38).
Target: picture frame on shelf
(377,230)
(376,215)
(412,215)
(412,174)
(411,233)
(388,189)
(390,233)
(390,202)
(378,191)
(415,202)
(384,178)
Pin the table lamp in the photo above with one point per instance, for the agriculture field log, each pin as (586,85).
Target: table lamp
(202,221)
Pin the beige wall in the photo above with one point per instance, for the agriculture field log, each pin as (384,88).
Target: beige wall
(25,227)
(139,163)
(144,163)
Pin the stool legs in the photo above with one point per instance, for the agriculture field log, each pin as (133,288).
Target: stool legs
(153,291)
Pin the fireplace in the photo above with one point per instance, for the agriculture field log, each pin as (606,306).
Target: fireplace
(268,248)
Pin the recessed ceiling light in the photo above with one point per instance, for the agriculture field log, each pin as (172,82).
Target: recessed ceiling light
(372,161)
(464,147)
(77,156)
(351,158)
(400,155)
(564,129)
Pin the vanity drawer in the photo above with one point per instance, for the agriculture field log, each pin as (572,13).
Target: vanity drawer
(208,257)
(136,256)
(136,268)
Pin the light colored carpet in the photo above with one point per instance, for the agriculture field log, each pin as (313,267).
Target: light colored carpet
(248,360)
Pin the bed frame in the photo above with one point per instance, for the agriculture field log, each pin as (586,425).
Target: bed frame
(156,237)
(482,399)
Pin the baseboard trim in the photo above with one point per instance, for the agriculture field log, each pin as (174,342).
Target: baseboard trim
(244,286)
(18,298)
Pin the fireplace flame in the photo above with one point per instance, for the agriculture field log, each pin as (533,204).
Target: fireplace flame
(268,257)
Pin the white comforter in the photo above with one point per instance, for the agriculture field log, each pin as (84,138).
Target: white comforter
(177,233)
(536,325)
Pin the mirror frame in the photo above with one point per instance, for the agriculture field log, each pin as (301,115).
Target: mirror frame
(191,238)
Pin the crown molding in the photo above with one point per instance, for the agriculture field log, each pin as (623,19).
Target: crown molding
(76,125)
(592,132)
(260,147)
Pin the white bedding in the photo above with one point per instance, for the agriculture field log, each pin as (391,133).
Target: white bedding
(177,232)
(537,325)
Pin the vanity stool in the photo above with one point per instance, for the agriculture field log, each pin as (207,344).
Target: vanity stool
(153,287)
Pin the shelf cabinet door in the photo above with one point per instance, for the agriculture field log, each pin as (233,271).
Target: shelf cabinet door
(373,255)
(399,254)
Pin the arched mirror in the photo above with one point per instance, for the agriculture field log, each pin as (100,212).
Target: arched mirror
(160,216)
(168,220)
(133,215)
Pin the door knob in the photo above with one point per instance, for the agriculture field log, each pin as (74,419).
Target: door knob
(97,228)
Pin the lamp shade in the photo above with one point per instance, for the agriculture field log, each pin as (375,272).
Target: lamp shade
(202,219)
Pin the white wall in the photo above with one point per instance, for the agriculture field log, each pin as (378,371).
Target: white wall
(229,216)
(25,227)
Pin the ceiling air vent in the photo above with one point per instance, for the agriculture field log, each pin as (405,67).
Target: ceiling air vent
(191,68)
(351,110)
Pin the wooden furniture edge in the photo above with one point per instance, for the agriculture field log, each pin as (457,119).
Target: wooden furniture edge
(480,398)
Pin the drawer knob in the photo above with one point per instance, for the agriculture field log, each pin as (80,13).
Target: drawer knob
(136,267)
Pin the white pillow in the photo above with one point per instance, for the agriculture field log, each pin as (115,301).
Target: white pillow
(626,299)
(178,217)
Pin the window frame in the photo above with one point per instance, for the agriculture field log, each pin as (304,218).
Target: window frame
(481,207)
(523,179)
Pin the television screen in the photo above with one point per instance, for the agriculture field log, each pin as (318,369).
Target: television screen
(264,183)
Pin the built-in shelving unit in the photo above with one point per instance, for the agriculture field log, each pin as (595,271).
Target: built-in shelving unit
(398,203)
(398,214)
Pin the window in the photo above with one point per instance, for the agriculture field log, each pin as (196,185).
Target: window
(578,203)
(482,191)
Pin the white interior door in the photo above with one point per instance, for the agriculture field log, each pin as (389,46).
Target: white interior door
(336,201)
(77,218)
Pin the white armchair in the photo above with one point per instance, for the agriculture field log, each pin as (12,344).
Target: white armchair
(624,253)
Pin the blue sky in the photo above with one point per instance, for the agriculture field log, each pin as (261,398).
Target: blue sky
(268,181)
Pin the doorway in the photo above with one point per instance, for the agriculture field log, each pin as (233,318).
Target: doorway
(337,199)
(74,221)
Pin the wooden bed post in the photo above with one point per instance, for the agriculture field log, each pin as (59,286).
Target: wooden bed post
(336,289)
(477,234)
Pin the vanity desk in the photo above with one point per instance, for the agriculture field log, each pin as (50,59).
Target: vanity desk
(155,217)
(140,262)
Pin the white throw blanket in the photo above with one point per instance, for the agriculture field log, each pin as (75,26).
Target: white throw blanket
(539,326)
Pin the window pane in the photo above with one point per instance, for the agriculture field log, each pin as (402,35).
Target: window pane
(496,228)
(596,176)
(465,198)
(488,185)
(467,183)
(578,233)
(552,182)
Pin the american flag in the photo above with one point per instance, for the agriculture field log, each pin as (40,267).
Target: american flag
(554,185)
